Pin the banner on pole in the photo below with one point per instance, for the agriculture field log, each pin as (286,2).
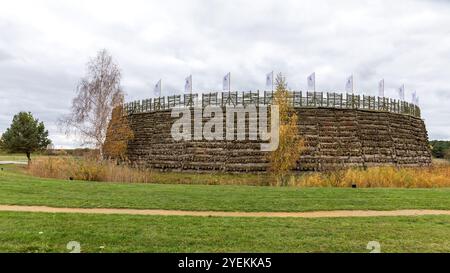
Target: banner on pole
(312,82)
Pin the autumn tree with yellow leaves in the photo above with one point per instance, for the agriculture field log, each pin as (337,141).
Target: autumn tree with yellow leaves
(119,133)
(291,145)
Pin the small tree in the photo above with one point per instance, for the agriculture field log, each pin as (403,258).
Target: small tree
(118,134)
(97,94)
(291,145)
(26,135)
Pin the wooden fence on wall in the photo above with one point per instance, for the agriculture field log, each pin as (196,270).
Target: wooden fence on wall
(298,99)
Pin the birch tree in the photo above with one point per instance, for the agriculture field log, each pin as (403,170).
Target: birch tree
(97,93)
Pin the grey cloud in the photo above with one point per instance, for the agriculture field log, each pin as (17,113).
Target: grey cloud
(4,56)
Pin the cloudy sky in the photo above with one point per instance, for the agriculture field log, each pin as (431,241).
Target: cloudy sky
(44,46)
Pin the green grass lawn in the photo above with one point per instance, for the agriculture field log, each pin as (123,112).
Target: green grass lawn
(18,157)
(20,189)
(47,232)
(44,232)
(13,157)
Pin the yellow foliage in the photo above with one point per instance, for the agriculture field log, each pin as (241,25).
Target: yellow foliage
(285,158)
(380,177)
(118,134)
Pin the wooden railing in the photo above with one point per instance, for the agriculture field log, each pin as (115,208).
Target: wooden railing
(298,99)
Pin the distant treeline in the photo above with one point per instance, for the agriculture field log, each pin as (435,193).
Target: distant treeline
(64,152)
(440,148)
(71,152)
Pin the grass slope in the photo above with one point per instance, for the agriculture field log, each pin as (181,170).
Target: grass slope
(43,232)
(19,189)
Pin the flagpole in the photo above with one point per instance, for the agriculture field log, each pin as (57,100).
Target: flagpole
(314,82)
(272,82)
(403,92)
(353,91)
(229,83)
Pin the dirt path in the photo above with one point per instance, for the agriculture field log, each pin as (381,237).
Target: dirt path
(312,214)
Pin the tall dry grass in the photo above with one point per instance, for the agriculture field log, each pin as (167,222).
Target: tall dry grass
(88,169)
(91,170)
(380,177)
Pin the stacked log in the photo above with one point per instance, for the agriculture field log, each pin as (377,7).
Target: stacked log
(334,138)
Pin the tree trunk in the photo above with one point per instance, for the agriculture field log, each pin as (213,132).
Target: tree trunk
(29,158)
(100,152)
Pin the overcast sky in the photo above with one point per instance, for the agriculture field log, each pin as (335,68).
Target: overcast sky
(44,46)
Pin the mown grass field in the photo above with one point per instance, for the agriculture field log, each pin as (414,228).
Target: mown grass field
(47,232)
(43,232)
(13,157)
(17,188)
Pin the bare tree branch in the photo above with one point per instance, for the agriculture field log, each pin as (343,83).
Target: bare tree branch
(96,95)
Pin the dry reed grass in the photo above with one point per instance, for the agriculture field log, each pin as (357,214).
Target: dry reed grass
(88,169)
(380,177)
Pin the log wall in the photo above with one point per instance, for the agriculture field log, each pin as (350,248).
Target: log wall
(335,138)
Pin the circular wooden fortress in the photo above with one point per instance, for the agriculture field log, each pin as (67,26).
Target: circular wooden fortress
(339,131)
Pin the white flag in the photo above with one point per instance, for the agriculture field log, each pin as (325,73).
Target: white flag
(401,92)
(349,84)
(312,81)
(381,88)
(188,84)
(269,81)
(415,98)
(226,82)
(157,89)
